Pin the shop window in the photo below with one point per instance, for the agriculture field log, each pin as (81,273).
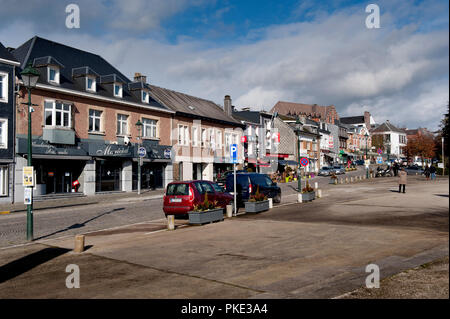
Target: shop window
(95,117)
(58,114)
(122,124)
(149,128)
(4,87)
(4,181)
(3,133)
(183,135)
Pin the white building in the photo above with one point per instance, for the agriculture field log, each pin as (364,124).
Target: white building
(394,139)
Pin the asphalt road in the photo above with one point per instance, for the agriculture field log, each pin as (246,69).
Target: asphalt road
(70,221)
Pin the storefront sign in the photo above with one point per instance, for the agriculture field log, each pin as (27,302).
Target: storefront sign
(113,150)
(142,152)
(41,147)
(28,176)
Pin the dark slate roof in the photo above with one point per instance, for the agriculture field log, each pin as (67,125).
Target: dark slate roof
(352,120)
(192,106)
(5,55)
(248,116)
(387,127)
(72,59)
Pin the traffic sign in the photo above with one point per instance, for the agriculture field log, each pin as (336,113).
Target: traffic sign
(379,160)
(233,153)
(142,151)
(304,161)
(379,151)
(28,174)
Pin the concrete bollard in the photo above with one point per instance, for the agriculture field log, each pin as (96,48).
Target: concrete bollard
(229,211)
(319,193)
(270,203)
(351,179)
(79,244)
(170,222)
(316,185)
(299,198)
(346,180)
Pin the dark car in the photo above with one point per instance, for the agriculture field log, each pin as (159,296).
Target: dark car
(223,177)
(359,162)
(248,183)
(414,170)
(325,171)
(180,197)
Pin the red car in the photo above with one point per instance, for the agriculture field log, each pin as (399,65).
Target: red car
(180,197)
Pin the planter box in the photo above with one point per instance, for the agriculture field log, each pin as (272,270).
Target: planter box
(208,216)
(308,196)
(256,207)
(333,181)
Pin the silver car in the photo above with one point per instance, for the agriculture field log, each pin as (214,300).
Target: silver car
(339,169)
(325,171)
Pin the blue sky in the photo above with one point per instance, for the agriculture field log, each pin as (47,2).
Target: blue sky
(260,52)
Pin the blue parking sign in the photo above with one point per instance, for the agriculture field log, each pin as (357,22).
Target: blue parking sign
(233,153)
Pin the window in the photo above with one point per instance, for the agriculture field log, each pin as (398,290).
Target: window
(58,114)
(4,87)
(204,137)
(144,96)
(227,142)
(122,124)
(3,133)
(53,74)
(195,136)
(117,90)
(90,84)
(95,117)
(149,128)
(183,135)
(4,182)
(219,139)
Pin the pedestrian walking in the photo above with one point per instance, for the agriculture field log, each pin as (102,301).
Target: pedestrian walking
(395,167)
(402,179)
(432,172)
(426,172)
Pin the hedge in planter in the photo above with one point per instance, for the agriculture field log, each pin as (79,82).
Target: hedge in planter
(257,203)
(308,193)
(206,212)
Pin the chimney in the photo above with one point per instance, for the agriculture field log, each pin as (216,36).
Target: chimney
(228,109)
(138,77)
(367,119)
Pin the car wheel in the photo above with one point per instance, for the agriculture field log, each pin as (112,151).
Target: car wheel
(277,198)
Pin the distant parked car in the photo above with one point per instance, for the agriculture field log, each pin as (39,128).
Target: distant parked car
(325,171)
(339,169)
(248,183)
(413,170)
(223,177)
(180,197)
(359,162)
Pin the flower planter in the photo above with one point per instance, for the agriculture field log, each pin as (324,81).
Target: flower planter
(308,196)
(208,216)
(256,207)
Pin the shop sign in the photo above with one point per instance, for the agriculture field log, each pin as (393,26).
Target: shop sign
(167,153)
(113,150)
(27,195)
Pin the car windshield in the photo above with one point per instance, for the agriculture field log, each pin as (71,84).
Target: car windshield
(217,188)
(260,179)
(178,189)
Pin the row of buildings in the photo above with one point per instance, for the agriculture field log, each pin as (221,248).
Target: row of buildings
(89,120)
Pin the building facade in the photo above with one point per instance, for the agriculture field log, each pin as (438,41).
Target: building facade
(394,140)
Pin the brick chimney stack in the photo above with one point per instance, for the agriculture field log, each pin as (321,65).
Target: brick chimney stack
(367,120)
(138,77)
(227,107)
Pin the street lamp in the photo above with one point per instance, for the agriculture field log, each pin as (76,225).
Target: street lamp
(30,77)
(297,131)
(139,127)
(367,167)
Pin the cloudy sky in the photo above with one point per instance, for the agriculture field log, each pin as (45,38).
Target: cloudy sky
(264,51)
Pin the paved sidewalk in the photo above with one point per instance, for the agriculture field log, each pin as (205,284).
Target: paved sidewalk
(82,201)
(310,250)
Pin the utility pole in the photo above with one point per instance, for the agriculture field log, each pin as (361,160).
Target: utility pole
(443,157)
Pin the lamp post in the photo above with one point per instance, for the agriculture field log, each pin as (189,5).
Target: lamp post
(139,127)
(443,157)
(367,167)
(297,130)
(30,77)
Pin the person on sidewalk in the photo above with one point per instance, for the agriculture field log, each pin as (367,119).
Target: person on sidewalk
(426,172)
(432,172)
(402,179)
(395,167)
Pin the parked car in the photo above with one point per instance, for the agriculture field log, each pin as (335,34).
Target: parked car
(414,169)
(248,183)
(325,171)
(359,162)
(223,177)
(180,197)
(339,169)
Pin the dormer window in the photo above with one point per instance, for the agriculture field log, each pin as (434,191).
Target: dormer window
(144,97)
(53,74)
(90,84)
(117,90)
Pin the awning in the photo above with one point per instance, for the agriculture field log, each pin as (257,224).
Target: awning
(62,157)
